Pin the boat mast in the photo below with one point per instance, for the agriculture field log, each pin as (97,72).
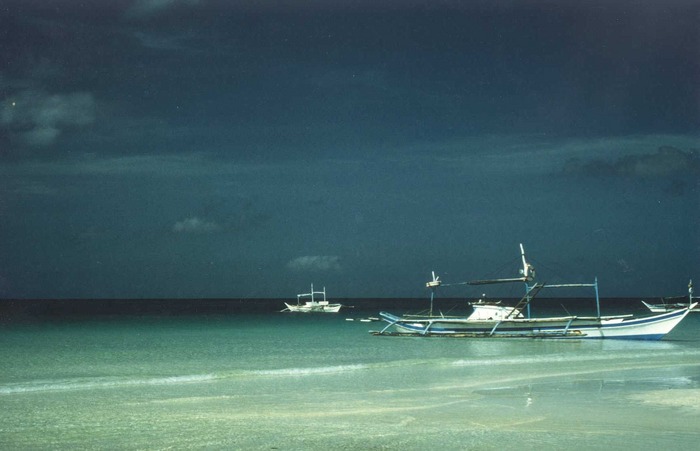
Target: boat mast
(690,292)
(597,297)
(528,289)
(433,284)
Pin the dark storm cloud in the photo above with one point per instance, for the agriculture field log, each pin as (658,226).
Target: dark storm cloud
(667,161)
(297,79)
(172,147)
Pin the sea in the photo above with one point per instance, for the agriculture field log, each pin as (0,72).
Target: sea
(166,374)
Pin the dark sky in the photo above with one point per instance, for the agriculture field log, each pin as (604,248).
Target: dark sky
(194,148)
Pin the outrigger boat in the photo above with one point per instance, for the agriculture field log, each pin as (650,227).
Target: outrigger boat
(491,319)
(312,306)
(669,306)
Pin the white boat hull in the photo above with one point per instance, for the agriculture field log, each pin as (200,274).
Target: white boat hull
(626,327)
(662,308)
(314,307)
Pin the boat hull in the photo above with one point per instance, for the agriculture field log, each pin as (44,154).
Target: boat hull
(661,308)
(623,327)
(314,308)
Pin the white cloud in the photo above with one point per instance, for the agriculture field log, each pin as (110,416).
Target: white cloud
(38,118)
(315,263)
(195,225)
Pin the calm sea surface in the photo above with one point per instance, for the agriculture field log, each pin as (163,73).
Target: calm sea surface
(295,381)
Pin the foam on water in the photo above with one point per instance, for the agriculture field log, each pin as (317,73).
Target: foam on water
(109,382)
(99,383)
(115,383)
(300,372)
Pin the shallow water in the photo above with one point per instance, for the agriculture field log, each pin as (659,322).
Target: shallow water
(284,381)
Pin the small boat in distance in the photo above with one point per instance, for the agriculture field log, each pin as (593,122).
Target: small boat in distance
(491,319)
(312,305)
(678,304)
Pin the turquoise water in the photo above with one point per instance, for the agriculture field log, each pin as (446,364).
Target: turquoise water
(284,381)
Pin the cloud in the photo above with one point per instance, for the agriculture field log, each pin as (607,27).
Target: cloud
(147,8)
(315,263)
(168,165)
(38,118)
(195,225)
(540,153)
(245,220)
(40,136)
(160,41)
(667,161)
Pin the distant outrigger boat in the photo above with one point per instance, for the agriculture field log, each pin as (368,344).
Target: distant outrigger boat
(490,319)
(312,306)
(669,306)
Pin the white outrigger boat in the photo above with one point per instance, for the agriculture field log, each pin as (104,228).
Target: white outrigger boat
(491,319)
(312,306)
(669,306)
